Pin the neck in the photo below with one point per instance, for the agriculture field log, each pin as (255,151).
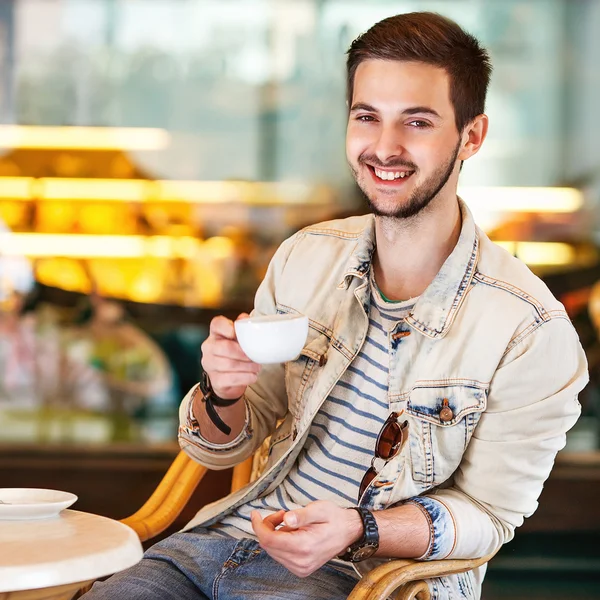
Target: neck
(410,252)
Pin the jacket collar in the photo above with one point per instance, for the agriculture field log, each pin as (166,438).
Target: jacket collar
(437,307)
(359,263)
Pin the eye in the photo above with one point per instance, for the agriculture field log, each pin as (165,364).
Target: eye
(419,124)
(365,118)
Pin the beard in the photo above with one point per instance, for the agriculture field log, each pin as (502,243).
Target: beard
(420,198)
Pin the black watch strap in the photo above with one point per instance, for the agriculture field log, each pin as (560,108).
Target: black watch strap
(368,544)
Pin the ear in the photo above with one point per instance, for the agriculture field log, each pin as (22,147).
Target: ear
(472,137)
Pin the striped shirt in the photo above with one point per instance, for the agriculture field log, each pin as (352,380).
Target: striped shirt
(342,437)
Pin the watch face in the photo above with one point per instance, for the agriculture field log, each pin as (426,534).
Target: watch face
(364,553)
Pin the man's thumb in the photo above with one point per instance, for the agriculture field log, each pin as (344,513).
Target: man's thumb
(315,512)
(319,511)
(291,519)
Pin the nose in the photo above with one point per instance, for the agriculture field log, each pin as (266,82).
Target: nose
(389,145)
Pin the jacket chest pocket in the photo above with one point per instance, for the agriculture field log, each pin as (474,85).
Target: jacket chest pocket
(300,374)
(442,419)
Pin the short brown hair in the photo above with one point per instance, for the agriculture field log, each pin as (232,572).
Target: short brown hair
(435,40)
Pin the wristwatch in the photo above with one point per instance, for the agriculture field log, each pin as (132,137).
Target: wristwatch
(368,544)
(211,400)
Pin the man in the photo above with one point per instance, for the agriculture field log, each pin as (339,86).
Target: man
(421,330)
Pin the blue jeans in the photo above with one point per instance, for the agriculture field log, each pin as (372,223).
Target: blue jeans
(202,564)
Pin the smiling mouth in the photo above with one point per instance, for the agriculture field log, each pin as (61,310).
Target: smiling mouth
(388,175)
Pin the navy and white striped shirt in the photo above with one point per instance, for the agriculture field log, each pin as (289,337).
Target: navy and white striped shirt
(342,437)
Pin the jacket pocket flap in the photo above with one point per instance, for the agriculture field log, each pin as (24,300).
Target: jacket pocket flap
(317,345)
(446,405)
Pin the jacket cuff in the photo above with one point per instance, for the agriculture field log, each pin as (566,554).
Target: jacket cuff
(442,528)
(189,428)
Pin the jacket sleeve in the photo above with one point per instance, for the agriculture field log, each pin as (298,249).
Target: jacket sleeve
(532,403)
(266,400)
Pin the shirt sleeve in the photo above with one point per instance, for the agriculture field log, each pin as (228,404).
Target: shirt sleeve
(189,428)
(532,403)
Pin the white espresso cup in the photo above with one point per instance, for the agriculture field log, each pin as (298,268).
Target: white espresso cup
(272,339)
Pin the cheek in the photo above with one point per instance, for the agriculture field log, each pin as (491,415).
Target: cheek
(427,156)
(356,143)
(435,152)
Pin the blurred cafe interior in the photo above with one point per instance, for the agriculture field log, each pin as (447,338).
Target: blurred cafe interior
(154,154)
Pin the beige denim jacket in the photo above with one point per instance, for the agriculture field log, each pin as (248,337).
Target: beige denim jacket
(486,339)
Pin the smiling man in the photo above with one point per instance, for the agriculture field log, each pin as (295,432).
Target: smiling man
(435,388)
(396,147)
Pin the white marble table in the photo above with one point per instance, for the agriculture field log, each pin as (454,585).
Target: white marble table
(53,558)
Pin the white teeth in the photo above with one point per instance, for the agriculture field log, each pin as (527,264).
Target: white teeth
(391,175)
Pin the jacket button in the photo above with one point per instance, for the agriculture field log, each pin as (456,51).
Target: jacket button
(322,360)
(400,334)
(446,413)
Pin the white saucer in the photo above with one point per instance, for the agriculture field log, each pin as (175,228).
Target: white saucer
(18,504)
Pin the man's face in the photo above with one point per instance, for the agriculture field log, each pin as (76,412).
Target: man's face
(401,143)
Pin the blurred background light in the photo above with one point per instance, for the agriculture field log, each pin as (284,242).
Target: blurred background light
(522,199)
(540,253)
(83,138)
(36,245)
(142,190)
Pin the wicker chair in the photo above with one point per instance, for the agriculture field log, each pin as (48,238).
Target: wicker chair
(399,579)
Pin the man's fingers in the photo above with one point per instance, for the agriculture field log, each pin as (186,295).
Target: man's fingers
(223,327)
(268,536)
(223,381)
(261,528)
(218,346)
(275,519)
(315,512)
(212,363)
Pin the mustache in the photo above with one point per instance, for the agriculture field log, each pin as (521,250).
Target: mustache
(373,161)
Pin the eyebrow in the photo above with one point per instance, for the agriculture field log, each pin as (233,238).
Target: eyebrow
(413,110)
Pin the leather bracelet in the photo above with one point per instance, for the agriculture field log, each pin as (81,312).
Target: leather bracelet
(211,400)
(218,401)
(213,415)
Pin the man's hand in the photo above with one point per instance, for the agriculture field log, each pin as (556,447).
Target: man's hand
(308,537)
(229,369)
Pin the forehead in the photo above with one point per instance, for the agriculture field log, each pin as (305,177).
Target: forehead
(396,85)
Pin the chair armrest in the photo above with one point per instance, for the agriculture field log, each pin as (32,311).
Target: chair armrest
(241,474)
(407,577)
(169,498)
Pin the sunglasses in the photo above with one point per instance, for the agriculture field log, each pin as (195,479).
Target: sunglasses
(390,441)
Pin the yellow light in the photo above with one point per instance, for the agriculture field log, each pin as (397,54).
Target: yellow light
(64,273)
(522,199)
(200,191)
(541,253)
(145,288)
(186,246)
(122,190)
(219,247)
(159,246)
(142,190)
(16,188)
(100,218)
(37,245)
(14,214)
(83,138)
